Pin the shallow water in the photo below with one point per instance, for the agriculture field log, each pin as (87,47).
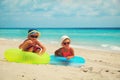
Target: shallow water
(105,39)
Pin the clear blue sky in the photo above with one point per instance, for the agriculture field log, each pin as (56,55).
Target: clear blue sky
(59,13)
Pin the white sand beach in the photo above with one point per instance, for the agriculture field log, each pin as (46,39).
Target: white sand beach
(100,65)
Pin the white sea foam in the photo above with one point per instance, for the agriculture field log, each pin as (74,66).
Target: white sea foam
(84,47)
(111,47)
(104,45)
(3,39)
(115,48)
(11,39)
(53,42)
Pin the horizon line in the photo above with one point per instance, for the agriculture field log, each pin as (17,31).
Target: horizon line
(59,27)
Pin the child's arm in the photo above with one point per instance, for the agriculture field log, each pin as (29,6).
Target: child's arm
(58,52)
(72,51)
(42,46)
(20,46)
(25,44)
(72,54)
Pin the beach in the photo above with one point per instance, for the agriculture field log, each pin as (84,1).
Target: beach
(91,27)
(100,65)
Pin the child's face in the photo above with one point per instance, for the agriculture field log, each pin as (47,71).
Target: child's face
(34,36)
(66,43)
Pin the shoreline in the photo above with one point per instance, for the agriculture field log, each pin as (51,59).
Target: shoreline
(100,65)
(74,46)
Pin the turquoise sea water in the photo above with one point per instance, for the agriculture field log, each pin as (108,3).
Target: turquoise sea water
(105,39)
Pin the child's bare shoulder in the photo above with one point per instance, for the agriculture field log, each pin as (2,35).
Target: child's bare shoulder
(71,48)
(28,41)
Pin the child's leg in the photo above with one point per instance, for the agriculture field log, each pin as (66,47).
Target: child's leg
(30,49)
(37,49)
(28,46)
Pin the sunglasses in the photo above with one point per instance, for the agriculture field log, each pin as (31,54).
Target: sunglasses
(34,36)
(65,43)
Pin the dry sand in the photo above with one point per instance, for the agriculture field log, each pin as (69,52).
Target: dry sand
(100,65)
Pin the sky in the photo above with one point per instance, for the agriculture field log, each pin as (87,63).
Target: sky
(59,13)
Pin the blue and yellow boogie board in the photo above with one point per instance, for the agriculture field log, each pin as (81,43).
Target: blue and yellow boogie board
(17,55)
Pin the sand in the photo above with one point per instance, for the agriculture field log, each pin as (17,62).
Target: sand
(100,65)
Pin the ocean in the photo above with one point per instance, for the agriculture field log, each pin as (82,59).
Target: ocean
(91,38)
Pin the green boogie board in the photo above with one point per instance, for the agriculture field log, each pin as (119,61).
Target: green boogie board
(17,55)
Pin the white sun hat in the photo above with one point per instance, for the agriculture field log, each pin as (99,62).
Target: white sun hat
(63,38)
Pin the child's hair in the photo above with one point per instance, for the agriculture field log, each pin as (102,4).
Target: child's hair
(31,30)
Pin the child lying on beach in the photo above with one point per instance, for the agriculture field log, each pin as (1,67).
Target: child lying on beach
(65,50)
(31,44)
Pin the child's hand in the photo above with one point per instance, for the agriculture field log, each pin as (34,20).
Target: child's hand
(69,57)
